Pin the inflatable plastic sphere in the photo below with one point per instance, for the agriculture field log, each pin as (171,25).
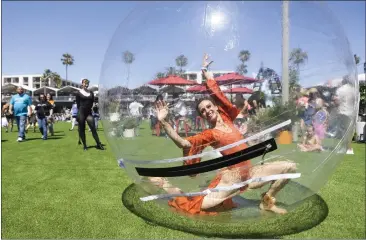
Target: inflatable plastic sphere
(219,156)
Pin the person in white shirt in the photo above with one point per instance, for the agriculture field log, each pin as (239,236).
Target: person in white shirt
(346,101)
(135,108)
(135,111)
(179,110)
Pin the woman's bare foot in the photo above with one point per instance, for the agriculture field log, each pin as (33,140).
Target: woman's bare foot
(268,204)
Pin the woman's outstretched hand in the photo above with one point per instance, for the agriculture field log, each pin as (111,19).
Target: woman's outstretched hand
(205,60)
(205,64)
(161,110)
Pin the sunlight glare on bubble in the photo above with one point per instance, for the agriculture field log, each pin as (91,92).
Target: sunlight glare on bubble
(217,18)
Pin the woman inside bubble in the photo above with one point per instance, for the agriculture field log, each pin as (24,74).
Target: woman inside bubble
(220,113)
(311,142)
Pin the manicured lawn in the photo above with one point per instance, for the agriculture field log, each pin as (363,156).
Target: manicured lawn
(53,189)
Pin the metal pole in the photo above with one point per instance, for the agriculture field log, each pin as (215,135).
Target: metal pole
(285,51)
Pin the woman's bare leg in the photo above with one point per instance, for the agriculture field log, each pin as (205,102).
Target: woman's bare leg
(164,184)
(268,169)
(228,178)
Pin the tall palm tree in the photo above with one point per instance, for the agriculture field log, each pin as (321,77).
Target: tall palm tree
(298,57)
(357,59)
(181,61)
(67,60)
(47,75)
(128,59)
(244,56)
(242,69)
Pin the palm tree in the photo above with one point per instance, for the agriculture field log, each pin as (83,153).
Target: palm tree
(47,74)
(243,56)
(128,59)
(298,57)
(357,59)
(67,60)
(242,69)
(171,71)
(56,79)
(181,61)
(160,75)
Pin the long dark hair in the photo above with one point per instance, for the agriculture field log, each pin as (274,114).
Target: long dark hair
(39,97)
(51,98)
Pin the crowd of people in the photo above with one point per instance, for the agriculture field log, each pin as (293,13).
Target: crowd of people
(223,122)
(322,112)
(40,113)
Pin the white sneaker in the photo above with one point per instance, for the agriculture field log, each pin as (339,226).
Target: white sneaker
(350,152)
(20,139)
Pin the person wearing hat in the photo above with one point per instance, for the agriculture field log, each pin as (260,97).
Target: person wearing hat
(84,102)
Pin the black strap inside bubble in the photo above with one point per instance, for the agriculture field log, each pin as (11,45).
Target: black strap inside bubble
(257,150)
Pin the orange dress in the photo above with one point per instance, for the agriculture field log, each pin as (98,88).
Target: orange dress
(216,139)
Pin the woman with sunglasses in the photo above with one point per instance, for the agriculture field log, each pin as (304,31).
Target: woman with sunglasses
(84,101)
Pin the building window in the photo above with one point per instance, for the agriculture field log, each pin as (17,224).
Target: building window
(25,79)
(7,80)
(15,80)
(192,76)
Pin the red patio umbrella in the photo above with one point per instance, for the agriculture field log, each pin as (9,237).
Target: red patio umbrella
(242,90)
(234,78)
(197,89)
(172,80)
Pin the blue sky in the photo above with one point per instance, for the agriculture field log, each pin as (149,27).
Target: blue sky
(36,34)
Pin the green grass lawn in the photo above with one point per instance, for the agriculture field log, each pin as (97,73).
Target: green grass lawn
(53,189)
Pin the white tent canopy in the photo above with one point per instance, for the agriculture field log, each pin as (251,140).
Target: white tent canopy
(46,90)
(12,88)
(68,90)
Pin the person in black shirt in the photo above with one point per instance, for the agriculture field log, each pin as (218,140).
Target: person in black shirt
(9,117)
(84,101)
(44,109)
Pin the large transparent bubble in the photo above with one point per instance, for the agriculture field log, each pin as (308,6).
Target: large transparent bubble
(167,40)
